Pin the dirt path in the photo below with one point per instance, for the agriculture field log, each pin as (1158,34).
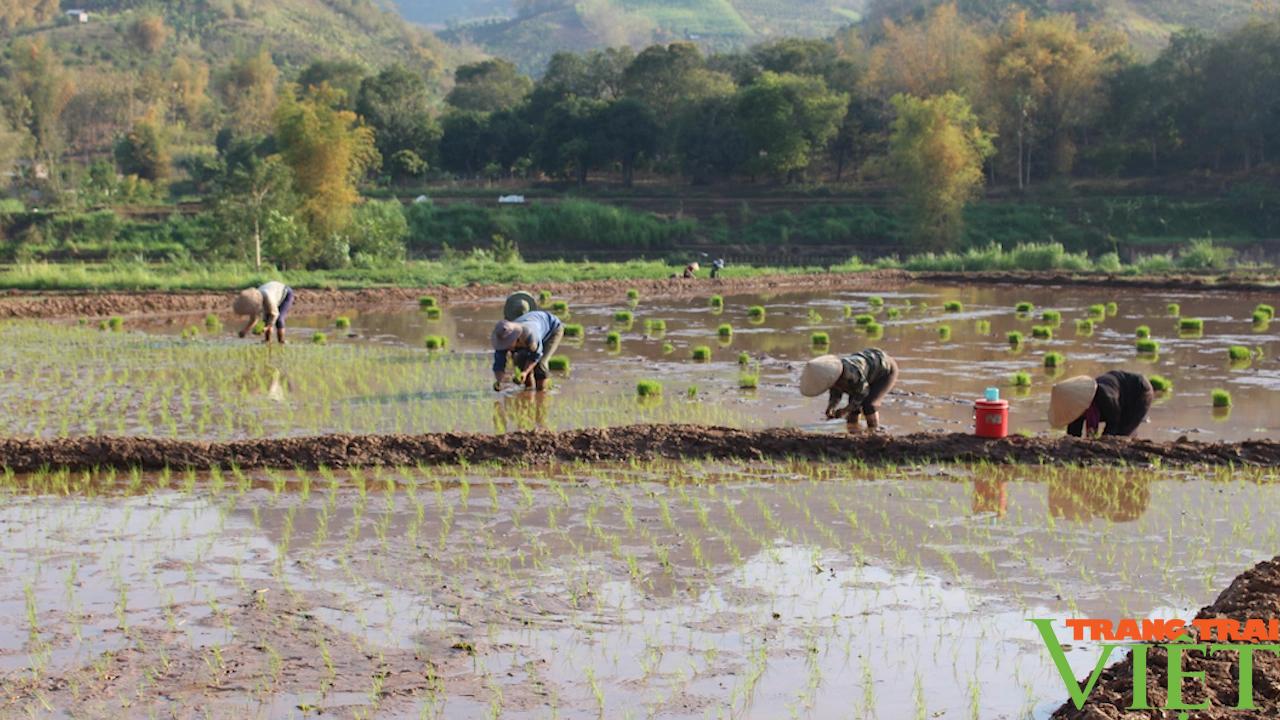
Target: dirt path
(1255,594)
(613,444)
(18,304)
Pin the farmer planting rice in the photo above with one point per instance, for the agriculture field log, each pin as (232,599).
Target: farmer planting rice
(1119,400)
(866,377)
(519,303)
(271,301)
(531,340)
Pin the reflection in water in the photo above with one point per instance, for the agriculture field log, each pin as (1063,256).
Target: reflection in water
(1117,497)
(521,411)
(990,496)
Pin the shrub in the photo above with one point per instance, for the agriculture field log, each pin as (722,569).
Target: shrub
(558,363)
(319,339)
(717,301)
(1021,379)
(623,316)
(864,319)
(435,342)
(1098,312)
(573,331)
(953,306)
(982,327)
(944,332)
(1202,254)
(1174,309)
(1147,346)
(1053,317)
(613,339)
(1042,332)
(212,323)
(1221,398)
(649,388)
(560,307)
(1264,309)
(744,358)
(820,339)
(1143,332)
(1054,360)
(756,312)
(427,301)
(1084,326)
(701,353)
(116,324)
(1191,325)
(725,330)
(342,323)
(1239,353)
(1160,383)
(653,326)
(633,294)
(1015,338)
(875,301)
(1024,308)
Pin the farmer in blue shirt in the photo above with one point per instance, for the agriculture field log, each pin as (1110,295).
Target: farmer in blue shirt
(531,340)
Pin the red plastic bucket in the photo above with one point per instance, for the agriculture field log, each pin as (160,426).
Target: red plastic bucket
(991,419)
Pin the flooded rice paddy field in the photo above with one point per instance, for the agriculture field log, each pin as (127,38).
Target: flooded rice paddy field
(376,377)
(646,590)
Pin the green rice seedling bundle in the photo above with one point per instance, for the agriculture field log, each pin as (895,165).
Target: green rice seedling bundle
(1147,346)
(893,313)
(435,342)
(864,319)
(1265,309)
(544,297)
(573,330)
(944,332)
(1239,353)
(1042,332)
(815,317)
(1051,317)
(1024,308)
(655,326)
(1160,383)
(1054,360)
(1015,339)
(668,348)
(717,301)
(1143,332)
(613,339)
(725,330)
(756,312)
(749,379)
(875,301)
(701,353)
(874,331)
(633,294)
(433,313)
(1191,325)
(1221,398)
(427,301)
(1021,379)
(953,306)
(982,327)
(820,339)
(342,322)
(1097,312)
(1084,326)
(1261,319)
(848,311)
(1173,309)
(560,307)
(558,363)
(212,323)
(744,358)
(319,338)
(116,324)
(624,317)
(649,388)
(1113,309)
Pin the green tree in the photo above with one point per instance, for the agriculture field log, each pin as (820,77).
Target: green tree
(144,151)
(396,104)
(343,75)
(572,141)
(937,150)
(709,140)
(488,86)
(378,233)
(253,198)
(787,120)
(664,78)
(247,87)
(631,132)
(37,91)
(15,14)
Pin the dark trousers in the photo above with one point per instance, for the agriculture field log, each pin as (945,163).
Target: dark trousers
(285,304)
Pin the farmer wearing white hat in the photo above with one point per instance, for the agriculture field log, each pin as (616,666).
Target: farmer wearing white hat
(271,301)
(866,377)
(1119,400)
(531,339)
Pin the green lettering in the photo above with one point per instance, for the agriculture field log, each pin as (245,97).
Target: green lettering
(1139,655)
(1078,696)
(1177,674)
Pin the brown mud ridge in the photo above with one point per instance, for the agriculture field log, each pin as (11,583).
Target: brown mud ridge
(19,304)
(1255,594)
(614,444)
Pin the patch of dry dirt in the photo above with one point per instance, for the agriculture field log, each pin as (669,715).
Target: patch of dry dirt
(614,444)
(1254,594)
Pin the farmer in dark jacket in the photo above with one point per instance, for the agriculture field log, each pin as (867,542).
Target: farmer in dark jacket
(531,340)
(1118,400)
(866,377)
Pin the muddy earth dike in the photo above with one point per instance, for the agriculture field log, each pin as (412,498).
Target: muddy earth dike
(64,304)
(1255,594)
(615,444)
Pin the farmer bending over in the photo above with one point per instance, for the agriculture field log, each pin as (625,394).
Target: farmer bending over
(866,377)
(271,301)
(531,340)
(1118,399)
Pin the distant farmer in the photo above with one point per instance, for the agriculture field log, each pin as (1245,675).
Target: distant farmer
(716,266)
(1119,400)
(866,377)
(531,340)
(271,302)
(519,303)
(691,270)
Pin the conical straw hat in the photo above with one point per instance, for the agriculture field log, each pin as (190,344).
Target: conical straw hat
(248,302)
(518,304)
(1070,399)
(820,374)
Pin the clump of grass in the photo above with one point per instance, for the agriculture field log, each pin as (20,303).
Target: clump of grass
(717,301)
(744,358)
(725,330)
(624,317)
(1143,332)
(1021,379)
(1221,398)
(1084,326)
(574,330)
(560,307)
(1024,308)
(953,306)
(820,339)
(649,388)
(116,324)
(319,339)
(1173,309)
(1160,383)
(1113,309)
(212,323)
(1015,339)
(1264,309)
(1098,312)
(756,312)
(435,342)
(944,332)
(1042,332)
(701,353)
(558,363)
(1191,325)
(982,327)
(1052,317)
(633,294)
(1054,360)
(1147,346)
(893,313)
(427,301)
(1239,353)
(864,319)
(655,326)
(875,301)
(433,313)
(613,339)
(342,322)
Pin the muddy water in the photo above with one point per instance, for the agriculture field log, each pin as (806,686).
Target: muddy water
(655,590)
(940,379)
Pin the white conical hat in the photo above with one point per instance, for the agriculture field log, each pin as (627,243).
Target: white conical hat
(248,302)
(820,374)
(1070,399)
